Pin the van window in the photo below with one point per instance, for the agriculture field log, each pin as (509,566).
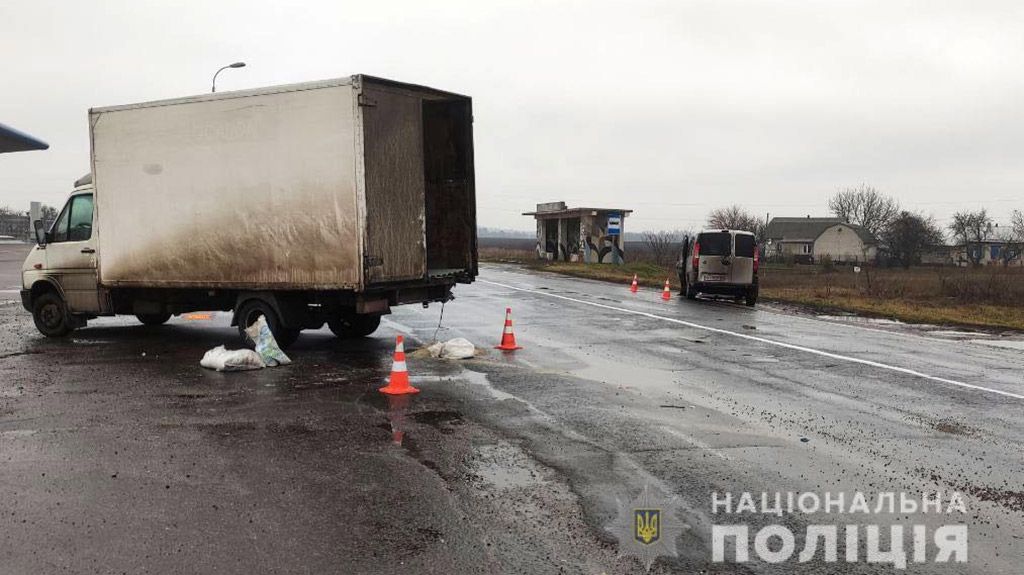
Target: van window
(80,228)
(744,246)
(715,244)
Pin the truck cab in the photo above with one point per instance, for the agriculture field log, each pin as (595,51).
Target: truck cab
(59,280)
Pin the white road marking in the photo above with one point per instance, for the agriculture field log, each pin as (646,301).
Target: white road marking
(810,350)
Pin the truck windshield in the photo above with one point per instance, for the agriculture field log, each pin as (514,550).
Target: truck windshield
(715,244)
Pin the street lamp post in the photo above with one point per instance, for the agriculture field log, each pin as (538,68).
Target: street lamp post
(235,65)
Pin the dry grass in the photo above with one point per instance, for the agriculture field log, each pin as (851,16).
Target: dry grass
(991,297)
(507,255)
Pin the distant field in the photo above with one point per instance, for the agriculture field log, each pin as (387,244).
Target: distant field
(990,297)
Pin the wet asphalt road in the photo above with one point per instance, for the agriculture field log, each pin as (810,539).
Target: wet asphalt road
(120,454)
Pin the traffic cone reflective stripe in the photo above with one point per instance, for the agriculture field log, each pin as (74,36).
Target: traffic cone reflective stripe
(634,287)
(398,383)
(666,294)
(508,338)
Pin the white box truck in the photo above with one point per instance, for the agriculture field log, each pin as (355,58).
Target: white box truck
(323,202)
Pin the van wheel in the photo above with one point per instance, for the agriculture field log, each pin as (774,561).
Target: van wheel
(751,298)
(251,311)
(153,318)
(51,315)
(688,290)
(351,326)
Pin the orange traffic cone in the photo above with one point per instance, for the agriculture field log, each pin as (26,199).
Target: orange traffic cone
(633,287)
(398,383)
(666,294)
(508,339)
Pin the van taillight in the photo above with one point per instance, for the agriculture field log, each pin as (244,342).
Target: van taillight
(696,255)
(756,258)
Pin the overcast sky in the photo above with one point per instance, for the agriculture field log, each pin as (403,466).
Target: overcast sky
(669,108)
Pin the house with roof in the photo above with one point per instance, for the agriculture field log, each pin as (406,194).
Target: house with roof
(808,240)
(989,252)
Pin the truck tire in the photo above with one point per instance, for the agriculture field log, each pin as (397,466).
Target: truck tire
(153,318)
(251,310)
(51,315)
(351,326)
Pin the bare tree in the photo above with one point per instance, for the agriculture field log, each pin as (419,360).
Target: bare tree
(866,207)
(49,213)
(907,236)
(736,218)
(1012,237)
(9,211)
(663,246)
(970,229)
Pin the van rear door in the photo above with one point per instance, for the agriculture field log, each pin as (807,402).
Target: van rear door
(743,260)
(715,257)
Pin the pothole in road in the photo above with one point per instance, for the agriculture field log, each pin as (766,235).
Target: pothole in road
(504,466)
(442,420)
(953,427)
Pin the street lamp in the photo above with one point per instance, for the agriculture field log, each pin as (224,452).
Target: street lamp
(235,65)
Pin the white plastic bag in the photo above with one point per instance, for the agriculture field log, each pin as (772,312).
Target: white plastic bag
(222,359)
(266,346)
(458,348)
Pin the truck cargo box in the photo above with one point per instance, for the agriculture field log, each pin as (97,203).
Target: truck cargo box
(342,184)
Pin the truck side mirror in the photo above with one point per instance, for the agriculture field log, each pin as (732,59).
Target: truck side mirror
(40,232)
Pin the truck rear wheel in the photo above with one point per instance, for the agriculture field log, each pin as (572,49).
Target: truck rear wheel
(351,325)
(251,310)
(51,315)
(153,318)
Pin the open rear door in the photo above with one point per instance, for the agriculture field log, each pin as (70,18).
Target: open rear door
(393,156)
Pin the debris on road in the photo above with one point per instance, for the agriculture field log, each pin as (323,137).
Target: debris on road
(457,348)
(266,346)
(267,353)
(223,359)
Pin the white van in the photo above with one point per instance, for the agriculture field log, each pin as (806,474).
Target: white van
(719,262)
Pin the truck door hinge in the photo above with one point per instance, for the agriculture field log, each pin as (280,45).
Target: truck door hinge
(367,102)
(372,261)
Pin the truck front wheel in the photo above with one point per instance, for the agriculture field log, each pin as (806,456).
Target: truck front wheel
(251,310)
(51,315)
(351,325)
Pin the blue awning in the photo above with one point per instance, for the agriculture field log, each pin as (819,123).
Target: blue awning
(12,140)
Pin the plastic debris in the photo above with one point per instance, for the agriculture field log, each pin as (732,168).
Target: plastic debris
(458,348)
(266,346)
(223,359)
